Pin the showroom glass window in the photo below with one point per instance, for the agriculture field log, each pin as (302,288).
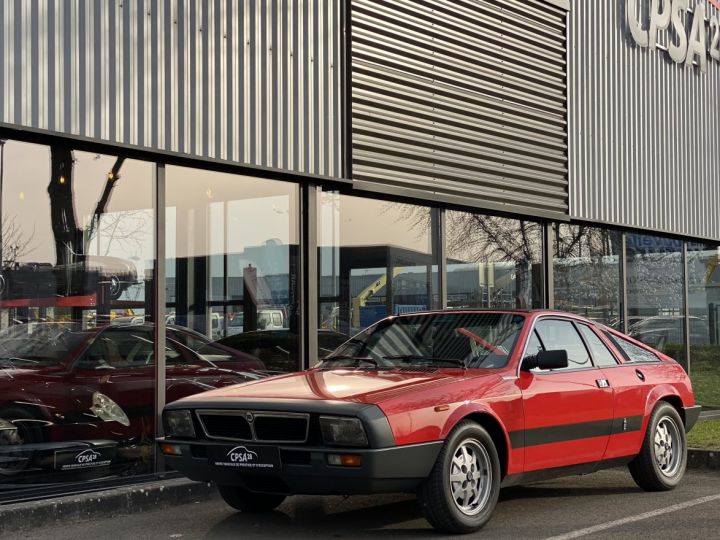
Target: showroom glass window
(703,266)
(232,267)
(376,259)
(656,310)
(77,384)
(586,272)
(493,262)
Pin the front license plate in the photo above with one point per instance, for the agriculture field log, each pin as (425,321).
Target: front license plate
(260,459)
(89,458)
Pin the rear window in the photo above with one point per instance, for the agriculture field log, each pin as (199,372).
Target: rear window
(630,351)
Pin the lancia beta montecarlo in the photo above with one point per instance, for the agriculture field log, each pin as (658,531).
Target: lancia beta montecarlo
(452,405)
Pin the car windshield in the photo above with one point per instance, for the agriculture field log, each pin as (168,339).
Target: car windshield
(472,340)
(27,345)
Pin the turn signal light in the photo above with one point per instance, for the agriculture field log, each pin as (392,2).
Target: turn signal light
(170,449)
(344,460)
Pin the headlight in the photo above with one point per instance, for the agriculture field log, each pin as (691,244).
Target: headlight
(178,423)
(106,409)
(343,431)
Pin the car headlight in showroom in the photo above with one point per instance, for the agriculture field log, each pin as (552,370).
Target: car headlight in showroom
(178,423)
(109,411)
(343,431)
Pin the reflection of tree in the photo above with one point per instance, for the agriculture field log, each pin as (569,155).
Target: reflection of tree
(586,269)
(122,231)
(72,242)
(14,243)
(480,238)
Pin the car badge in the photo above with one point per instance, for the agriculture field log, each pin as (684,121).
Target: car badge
(249,417)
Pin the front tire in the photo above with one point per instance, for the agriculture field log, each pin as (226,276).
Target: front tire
(246,501)
(460,494)
(661,463)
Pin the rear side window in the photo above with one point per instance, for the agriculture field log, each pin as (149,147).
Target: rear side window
(630,351)
(601,354)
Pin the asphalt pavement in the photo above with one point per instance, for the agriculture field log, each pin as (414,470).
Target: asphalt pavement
(602,505)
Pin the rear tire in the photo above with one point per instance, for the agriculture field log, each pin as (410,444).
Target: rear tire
(460,494)
(246,501)
(661,463)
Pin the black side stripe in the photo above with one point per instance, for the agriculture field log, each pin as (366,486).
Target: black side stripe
(573,432)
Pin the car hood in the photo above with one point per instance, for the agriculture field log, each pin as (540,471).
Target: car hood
(360,386)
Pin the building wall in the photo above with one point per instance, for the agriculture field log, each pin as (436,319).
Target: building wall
(254,82)
(643,129)
(462,101)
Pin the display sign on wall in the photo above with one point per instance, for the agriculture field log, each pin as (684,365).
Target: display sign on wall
(694,35)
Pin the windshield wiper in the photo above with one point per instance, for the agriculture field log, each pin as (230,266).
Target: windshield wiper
(411,357)
(357,359)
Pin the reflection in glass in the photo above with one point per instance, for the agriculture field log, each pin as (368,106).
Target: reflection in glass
(493,262)
(77,253)
(375,260)
(586,272)
(704,312)
(232,249)
(656,311)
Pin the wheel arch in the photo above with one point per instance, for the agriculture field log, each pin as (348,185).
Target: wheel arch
(667,393)
(496,431)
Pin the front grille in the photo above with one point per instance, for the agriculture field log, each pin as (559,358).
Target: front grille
(281,428)
(258,426)
(226,426)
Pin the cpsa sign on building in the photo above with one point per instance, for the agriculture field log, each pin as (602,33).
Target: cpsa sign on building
(692,35)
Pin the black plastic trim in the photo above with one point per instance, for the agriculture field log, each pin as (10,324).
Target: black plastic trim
(375,422)
(573,432)
(582,468)
(691,416)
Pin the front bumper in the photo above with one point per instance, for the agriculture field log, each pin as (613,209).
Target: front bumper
(305,470)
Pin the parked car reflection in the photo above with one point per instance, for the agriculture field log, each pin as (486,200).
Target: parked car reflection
(661,330)
(278,348)
(64,391)
(87,276)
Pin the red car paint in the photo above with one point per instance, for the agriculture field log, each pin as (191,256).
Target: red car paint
(527,406)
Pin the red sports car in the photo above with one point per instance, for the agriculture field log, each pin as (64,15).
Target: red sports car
(452,405)
(64,391)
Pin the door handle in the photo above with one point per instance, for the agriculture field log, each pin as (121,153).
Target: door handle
(640,375)
(602,383)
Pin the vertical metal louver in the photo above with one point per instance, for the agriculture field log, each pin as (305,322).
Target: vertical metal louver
(254,81)
(464,100)
(643,129)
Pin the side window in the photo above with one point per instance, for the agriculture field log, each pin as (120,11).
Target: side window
(601,354)
(124,348)
(632,352)
(558,335)
(533,345)
(277,320)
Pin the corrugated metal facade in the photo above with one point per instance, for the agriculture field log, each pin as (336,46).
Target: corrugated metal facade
(253,82)
(464,100)
(644,130)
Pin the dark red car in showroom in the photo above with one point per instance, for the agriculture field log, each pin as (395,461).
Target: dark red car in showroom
(451,405)
(74,400)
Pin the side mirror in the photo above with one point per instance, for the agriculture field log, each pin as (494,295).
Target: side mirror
(546,360)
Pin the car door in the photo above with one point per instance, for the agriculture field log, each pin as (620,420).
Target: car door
(632,381)
(568,412)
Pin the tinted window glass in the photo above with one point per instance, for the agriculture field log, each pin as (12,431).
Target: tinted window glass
(476,340)
(533,346)
(632,352)
(559,335)
(601,354)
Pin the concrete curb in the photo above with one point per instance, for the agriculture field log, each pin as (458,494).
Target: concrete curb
(699,458)
(111,502)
